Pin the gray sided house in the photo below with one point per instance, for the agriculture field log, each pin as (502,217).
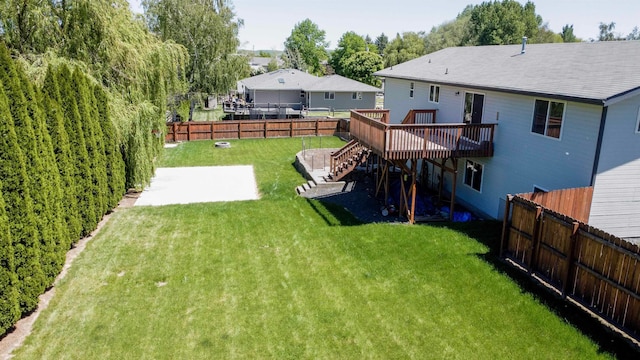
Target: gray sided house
(296,89)
(567,115)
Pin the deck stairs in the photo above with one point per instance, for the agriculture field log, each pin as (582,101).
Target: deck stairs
(346,159)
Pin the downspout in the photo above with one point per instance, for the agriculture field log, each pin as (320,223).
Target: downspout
(596,158)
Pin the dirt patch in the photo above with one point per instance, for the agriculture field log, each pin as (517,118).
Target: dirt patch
(23,327)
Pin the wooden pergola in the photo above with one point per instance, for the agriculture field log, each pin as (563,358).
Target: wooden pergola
(418,137)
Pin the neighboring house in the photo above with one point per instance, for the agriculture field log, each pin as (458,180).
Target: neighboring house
(296,89)
(260,64)
(567,115)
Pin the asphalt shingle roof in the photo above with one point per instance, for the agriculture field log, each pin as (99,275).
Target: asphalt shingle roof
(291,79)
(588,72)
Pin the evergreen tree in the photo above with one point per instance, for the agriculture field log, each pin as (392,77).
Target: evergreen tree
(50,102)
(93,141)
(19,209)
(114,161)
(36,179)
(9,307)
(83,174)
(52,212)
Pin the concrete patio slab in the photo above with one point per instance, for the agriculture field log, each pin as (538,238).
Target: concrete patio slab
(188,185)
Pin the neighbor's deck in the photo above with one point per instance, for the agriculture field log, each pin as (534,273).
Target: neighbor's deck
(419,137)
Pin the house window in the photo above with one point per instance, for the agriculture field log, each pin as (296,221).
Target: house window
(302,94)
(547,118)
(411,85)
(473,175)
(356,96)
(638,123)
(329,95)
(434,94)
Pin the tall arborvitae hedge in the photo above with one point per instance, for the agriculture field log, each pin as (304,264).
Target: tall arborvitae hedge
(50,103)
(52,213)
(19,208)
(83,174)
(9,307)
(113,155)
(91,130)
(36,178)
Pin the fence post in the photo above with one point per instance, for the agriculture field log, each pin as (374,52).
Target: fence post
(174,131)
(188,131)
(212,125)
(536,239)
(570,267)
(505,221)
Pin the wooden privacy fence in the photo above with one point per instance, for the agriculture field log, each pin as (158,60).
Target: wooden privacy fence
(253,129)
(597,270)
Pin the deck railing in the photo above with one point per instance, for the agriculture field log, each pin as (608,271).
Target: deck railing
(419,141)
(420,117)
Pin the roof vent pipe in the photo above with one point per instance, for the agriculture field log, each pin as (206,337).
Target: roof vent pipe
(524,45)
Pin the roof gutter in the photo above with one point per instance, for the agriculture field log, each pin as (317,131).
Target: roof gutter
(596,157)
(582,100)
(621,97)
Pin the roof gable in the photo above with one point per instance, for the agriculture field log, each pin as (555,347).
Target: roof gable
(588,72)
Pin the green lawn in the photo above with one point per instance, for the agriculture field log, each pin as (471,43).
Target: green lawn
(289,278)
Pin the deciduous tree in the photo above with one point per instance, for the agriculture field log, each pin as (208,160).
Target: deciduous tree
(361,66)
(404,48)
(506,22)
(209,31)
(306,48)
(349,44)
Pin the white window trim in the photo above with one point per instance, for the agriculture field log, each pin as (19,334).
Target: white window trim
(356,95)
(412,88)
(564,113)
(638,122)
(331,95)
(435,87)
(464,178)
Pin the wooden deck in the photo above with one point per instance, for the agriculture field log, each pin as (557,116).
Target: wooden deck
(418,137)
(420,141)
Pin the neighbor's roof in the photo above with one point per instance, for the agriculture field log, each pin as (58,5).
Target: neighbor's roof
(596,72)
(339,83)
(282,79)
(291,79)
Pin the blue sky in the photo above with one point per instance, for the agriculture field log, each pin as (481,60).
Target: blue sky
(268,23)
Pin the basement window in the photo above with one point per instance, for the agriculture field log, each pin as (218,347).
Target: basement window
(547,118)
(473,175)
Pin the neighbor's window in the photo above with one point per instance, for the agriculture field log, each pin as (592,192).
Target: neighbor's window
(329,95)
(473,175)
(356,96)
(411,85)
(302,94)
(434,94)
(547,118)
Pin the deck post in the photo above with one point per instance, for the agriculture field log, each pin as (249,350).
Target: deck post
(441,182)
(452,203)
(414,165)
